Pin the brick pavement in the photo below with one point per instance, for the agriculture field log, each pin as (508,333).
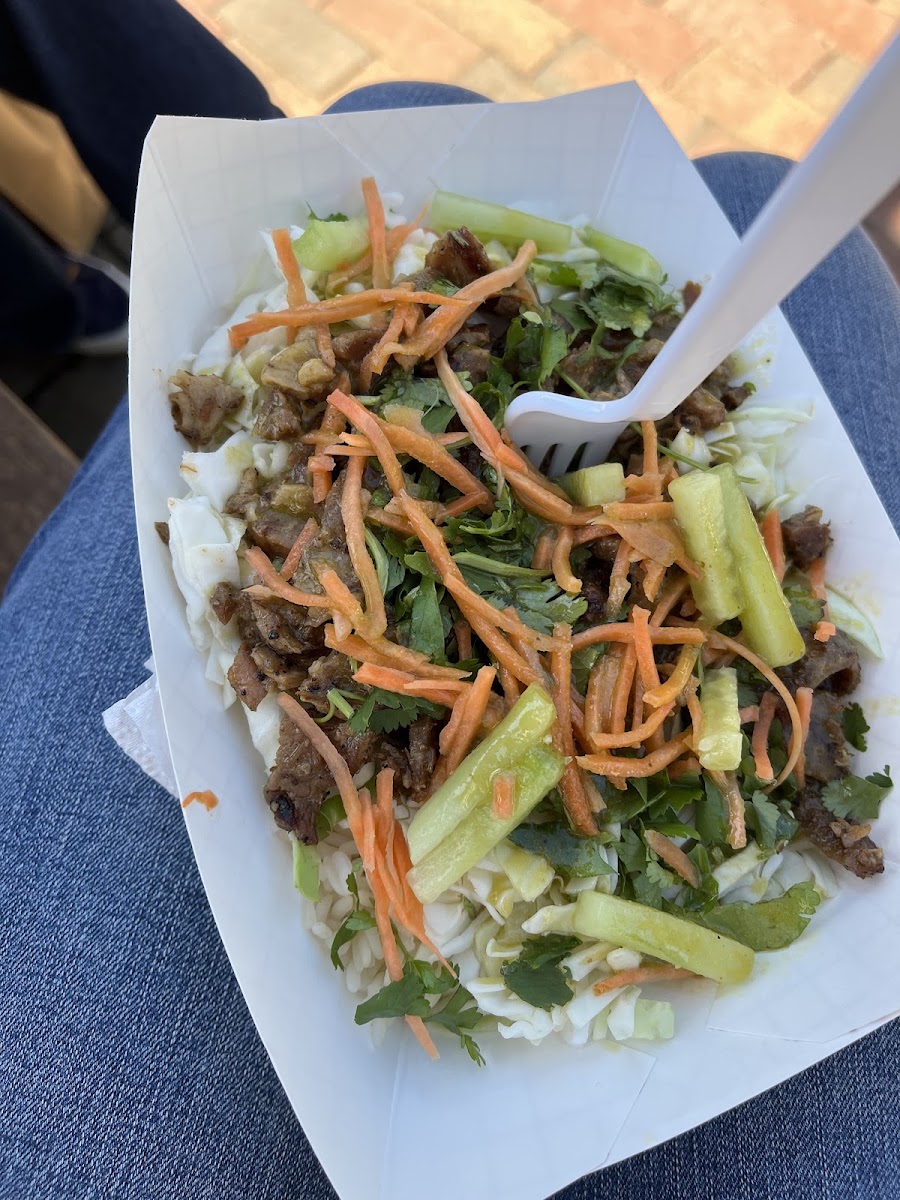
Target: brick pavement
(724,74)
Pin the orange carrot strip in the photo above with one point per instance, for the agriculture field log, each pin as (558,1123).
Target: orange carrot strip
(394,239)
(637,736)
(601,686)
(504,795)
(654,574)
(374,362)
(651,452)
(503,652)
(338,308)
(340,595)
(320,468)
(437,329)
(402,683)
(634,768)
(684,766)
(512,689)
(590,533)
(463,631)
(622,690)
(417,1025)
(668,600)
(619,583)
(770,528)
(824,631)
(575,798)
(542,558)
(652,973)
(726,782)
(562,569)
(375,214)
(624,632)
(427,450)
(657,540)
(292,562)
(384,653)
(669,691)
(759,742)
(695,711)
(476,702)
(447,735)
(749,715)
(816,575)
(673,856)
(804,698)
(643,645)
(368,424)
(262,565)
(720,641)
(354,530)
(290,268)
(348,451)
(324,347)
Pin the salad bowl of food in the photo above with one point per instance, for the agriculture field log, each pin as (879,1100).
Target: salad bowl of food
(566,782)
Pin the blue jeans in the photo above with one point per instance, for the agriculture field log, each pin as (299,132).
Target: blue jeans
(130,1067)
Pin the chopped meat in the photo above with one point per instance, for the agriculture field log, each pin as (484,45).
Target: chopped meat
(200,405)
(277,418)
(826,752)
(350,349)
(595,589)
(605,548)
(832,665)
(246,678)
(327,549)
(284,627)
(858,854)
(356,749)
(423,753)
(330,671)
(470,457)
(459,258)
(806,537)
(162,528)
(470,350)
(734,397)
(246,497)
(298,783)
(699,412)
(298,370)
(287,678)
(224,601)
(274,531)
(690,294)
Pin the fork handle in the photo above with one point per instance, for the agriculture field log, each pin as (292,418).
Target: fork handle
(853,165)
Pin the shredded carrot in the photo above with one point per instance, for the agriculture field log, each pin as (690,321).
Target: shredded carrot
(504,795)
(441,691)
(503,652)
(749,715)
(644,485)
(262,565)
(542,557)
(368,424)
(726,782)
(668,600)
(431,453)
(534,497)
(652,973)
(290,268)
(643,645)
(637,701)
(562,568)
(321,743)
(623,631)
(657,540)
(375,215)
(437,329)
(816,574)
(393,238)
(338,308)
(636,736)
(474,707)
(720,641)
(575,798)
(590,533)
(665,693)
(825,630)
(384,653)
(619,583)
(463,632)
(759,742)
(324,347)
(650,466)
(417,1026)
(341,597)
(673,856)
(684,766)
(320,468)
(374,362)
(207,799)
(354,529)
(650,510)
(601,685)
(292,562)
(696,712)
(654,574)
(622,690)
(634,768)
(804,698)
(447,736)
(770,528)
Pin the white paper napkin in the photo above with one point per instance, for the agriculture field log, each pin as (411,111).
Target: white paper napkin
(136,725)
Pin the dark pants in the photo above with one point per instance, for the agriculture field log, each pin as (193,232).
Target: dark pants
(106,68)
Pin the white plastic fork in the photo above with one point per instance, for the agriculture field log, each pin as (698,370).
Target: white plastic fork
(853,165)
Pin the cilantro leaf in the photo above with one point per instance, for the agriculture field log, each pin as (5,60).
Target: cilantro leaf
(534,347)
(711,817)
(764,817)
(426,633)
(573,857)
(536,975)
(354,924)
(335,216)
(459,1015)
(403,998)
(385,712)
(855,798)
(621,301)
(855,726)
(706,893)
(428,396)
(769,925)
(805,608)
(650,883)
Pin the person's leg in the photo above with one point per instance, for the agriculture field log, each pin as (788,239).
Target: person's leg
(165,1090)
(38,307)
(108,67)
